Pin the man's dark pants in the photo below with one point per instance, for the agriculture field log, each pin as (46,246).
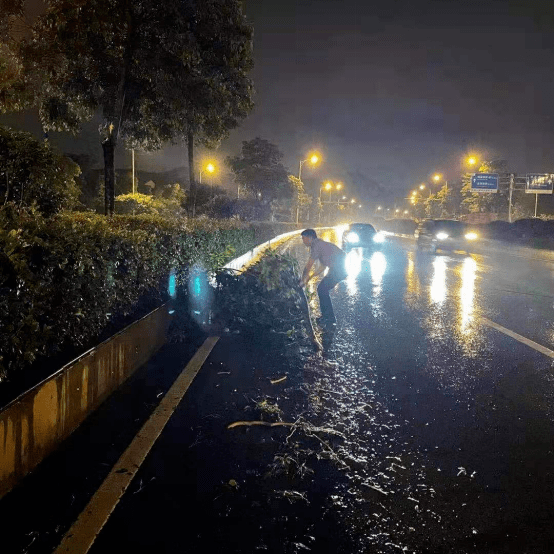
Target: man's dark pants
(334,275)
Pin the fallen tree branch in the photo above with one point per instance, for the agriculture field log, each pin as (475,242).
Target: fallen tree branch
(263,423)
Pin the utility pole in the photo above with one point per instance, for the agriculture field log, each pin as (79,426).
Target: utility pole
(512,179)
(133,164)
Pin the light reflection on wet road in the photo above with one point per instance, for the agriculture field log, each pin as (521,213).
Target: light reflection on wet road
(474,405)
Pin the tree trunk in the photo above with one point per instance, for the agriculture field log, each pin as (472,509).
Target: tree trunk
(109,175)
(192,182)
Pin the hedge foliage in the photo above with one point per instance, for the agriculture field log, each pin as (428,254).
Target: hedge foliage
(63,278)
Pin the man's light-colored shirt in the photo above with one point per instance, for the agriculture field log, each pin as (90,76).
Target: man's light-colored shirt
(327,253)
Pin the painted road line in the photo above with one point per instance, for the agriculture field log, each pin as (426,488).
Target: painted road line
(520,338)
(84,531)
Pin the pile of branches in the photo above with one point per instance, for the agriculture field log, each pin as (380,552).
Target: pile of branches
(265,298)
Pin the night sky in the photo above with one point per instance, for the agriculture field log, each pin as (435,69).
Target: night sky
(392,91)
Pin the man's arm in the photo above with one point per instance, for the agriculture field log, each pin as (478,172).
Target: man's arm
(306,272)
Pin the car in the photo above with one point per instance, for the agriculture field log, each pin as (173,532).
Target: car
(362,235)
(444,234)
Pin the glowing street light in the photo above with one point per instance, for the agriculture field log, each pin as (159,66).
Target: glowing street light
(422,186)
(471,160)
(313,159)
(437,177)
(209,167)
(328,186)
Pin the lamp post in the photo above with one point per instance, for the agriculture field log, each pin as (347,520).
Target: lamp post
(327,186)
(133,164)
(438,178)
(313,159)
(210,168)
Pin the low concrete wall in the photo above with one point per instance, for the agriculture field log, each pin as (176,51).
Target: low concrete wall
(34,424)
(252,256)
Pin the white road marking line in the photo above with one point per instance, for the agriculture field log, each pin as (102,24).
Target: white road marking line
(82,534)
(520,338)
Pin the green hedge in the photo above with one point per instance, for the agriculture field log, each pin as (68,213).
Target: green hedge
(63,279)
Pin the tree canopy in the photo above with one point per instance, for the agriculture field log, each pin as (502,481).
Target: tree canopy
(259,169)
(157,72)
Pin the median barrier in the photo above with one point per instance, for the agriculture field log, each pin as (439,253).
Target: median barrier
(35,424)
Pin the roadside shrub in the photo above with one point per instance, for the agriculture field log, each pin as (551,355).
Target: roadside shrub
(169,204)
(33,173)
(64,278)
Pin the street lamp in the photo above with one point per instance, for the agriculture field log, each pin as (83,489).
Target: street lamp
(422,186)
(471,160)
(209,167)
(327,186)
(437,177)
(313,159)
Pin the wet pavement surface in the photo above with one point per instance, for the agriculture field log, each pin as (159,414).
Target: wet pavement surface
(419,429)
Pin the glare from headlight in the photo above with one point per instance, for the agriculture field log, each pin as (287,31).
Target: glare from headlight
(442,236)
(379,237)
(353,237)
(471,236)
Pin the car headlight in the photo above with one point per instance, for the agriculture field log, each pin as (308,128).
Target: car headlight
(471,236)
(379,237)
(353,238)
(442,236)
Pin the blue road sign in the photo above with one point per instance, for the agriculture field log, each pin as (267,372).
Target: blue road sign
(484,182)
(539,183)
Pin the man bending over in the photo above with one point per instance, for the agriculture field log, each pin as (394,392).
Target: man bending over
(328,255)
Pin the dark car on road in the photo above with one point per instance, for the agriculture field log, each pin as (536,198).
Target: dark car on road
(444,234)
(362,235)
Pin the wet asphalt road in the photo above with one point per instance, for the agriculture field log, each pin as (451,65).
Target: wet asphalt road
(447,426)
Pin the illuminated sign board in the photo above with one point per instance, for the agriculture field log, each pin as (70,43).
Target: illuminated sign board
(539,183)
(484,182)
